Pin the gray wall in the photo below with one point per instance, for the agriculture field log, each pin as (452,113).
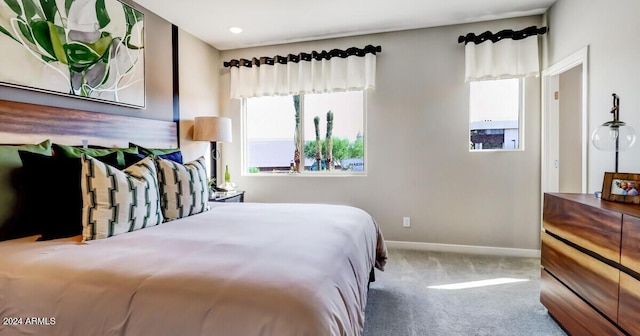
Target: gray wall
(419,164)
(610,31)
(417,123)
(198,90)
(158,75)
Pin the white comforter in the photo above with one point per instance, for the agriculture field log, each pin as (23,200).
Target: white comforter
(239,269)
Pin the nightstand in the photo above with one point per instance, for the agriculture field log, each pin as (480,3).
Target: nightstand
(229,197)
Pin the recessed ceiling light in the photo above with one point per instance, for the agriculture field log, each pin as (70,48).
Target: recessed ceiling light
(235,30)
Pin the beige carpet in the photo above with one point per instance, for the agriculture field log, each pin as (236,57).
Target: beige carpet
(400,302)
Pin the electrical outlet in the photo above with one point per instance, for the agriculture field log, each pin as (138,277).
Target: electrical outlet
(406,222)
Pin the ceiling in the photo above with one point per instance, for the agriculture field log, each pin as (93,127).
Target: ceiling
(284,21)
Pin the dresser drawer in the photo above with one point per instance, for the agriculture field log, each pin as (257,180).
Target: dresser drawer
(630,250)
(592,228)
(593,280)
(575,315)
(629,311)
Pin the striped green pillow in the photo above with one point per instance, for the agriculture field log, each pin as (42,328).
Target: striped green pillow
(115,201)
(184,189)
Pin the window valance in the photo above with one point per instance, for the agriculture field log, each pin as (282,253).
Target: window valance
(314,72)
(506,54)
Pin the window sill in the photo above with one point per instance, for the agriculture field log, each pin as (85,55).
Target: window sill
(495,150)
(309,174)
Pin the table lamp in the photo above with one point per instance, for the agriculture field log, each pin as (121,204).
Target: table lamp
(213,129)
(614,136)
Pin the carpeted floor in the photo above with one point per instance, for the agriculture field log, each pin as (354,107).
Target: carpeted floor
(400,302)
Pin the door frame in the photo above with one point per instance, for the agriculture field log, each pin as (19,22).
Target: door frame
(581,57)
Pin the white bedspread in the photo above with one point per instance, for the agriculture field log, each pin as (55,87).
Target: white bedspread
(240,269)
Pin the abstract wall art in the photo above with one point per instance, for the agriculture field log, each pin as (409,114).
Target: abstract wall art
(91,49)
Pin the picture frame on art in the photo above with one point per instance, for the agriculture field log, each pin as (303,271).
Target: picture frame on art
(90,49)
(621,187)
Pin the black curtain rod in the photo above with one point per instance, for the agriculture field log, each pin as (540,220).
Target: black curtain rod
(353,51)
(507,33)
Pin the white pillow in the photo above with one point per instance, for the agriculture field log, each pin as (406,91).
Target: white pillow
(184,188)
(115,201)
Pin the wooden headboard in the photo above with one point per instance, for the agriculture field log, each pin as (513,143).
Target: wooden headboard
(29,123)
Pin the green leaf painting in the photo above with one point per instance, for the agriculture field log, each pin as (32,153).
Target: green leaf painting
(85,48)
(49,7)
(102,14)
(15,7)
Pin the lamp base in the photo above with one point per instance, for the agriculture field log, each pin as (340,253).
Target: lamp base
(214,159)
(230,186)
(218,189)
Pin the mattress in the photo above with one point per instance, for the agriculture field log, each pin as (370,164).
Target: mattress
(238,269)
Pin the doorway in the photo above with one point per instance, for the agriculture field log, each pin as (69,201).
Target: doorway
(565,136)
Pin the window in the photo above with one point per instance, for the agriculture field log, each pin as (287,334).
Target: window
(495,114)
(270,124)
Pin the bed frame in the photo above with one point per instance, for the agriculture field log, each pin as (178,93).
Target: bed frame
(30,123)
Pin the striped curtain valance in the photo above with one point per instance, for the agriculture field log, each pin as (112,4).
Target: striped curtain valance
(314,55)
(506,54)
(503,34)
(314,72)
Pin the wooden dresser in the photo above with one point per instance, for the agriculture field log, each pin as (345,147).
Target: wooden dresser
(590,281)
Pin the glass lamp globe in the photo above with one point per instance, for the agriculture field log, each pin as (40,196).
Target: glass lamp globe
(605,136)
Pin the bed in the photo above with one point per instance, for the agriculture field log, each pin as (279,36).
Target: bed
(234,269)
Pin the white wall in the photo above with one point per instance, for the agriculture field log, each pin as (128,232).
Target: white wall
(418,158)
(610,29)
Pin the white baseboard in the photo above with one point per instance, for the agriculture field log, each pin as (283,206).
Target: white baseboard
(485,250)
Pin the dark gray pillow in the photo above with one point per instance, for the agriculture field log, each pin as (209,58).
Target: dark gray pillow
(10,202)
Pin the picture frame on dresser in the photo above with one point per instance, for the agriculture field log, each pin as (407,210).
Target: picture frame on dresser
(621,187)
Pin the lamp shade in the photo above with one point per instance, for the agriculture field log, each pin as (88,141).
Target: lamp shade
(613,136)
(216,129)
